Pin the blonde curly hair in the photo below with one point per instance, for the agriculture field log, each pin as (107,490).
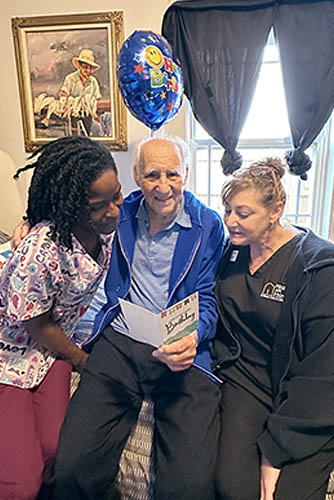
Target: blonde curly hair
(264,176)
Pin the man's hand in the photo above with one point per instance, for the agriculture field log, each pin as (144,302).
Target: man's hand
(178,355)
(269,478)
(20,232)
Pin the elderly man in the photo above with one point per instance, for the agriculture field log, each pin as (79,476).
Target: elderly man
(167,246)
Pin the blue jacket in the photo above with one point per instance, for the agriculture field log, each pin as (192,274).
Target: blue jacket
(196,257)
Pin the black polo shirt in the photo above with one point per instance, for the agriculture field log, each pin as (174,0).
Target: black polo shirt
(252,303)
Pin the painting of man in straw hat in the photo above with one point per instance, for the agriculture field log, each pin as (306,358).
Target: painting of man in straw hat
(70,82)
(79,95)
(66,67)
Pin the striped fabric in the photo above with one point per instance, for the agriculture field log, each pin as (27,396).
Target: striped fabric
(4,237)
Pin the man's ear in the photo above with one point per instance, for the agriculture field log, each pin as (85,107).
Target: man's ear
(186,174)
(136,175)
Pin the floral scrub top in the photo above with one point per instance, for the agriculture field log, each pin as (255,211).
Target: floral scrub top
(39,276)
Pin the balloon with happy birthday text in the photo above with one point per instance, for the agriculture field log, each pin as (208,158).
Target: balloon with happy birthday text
(149,79)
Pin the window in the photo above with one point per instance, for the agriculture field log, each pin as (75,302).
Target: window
(208,178)
(267,133)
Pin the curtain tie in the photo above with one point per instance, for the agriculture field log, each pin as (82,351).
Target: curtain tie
(299,162)
(231,161)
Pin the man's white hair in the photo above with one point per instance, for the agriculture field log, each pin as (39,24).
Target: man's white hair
(180,145)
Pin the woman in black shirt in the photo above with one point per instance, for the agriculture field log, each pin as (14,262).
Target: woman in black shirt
(274,348)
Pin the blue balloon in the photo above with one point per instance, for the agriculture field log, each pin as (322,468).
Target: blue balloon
(149,79)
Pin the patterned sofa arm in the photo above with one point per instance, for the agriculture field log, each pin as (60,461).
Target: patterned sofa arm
(4,237)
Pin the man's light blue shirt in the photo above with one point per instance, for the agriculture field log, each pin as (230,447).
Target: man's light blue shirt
(152,262)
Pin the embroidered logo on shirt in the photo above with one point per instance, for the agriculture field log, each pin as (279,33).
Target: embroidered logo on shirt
(234,255)
(273,292)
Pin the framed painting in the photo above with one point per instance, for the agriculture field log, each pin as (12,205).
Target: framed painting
(66,68)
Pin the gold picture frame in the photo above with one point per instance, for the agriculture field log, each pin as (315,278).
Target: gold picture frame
(51,54)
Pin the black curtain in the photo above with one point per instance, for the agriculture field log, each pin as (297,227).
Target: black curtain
(305,35)
(220,46)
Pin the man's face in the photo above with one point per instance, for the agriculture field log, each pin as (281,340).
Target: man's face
(161,178)
(85,69)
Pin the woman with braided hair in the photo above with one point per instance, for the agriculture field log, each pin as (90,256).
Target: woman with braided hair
(45,287)
(274,346)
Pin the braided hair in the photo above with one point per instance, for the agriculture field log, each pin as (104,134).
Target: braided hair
(59,190)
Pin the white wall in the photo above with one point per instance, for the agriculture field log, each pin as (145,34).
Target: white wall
(137,15)
(11,206)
